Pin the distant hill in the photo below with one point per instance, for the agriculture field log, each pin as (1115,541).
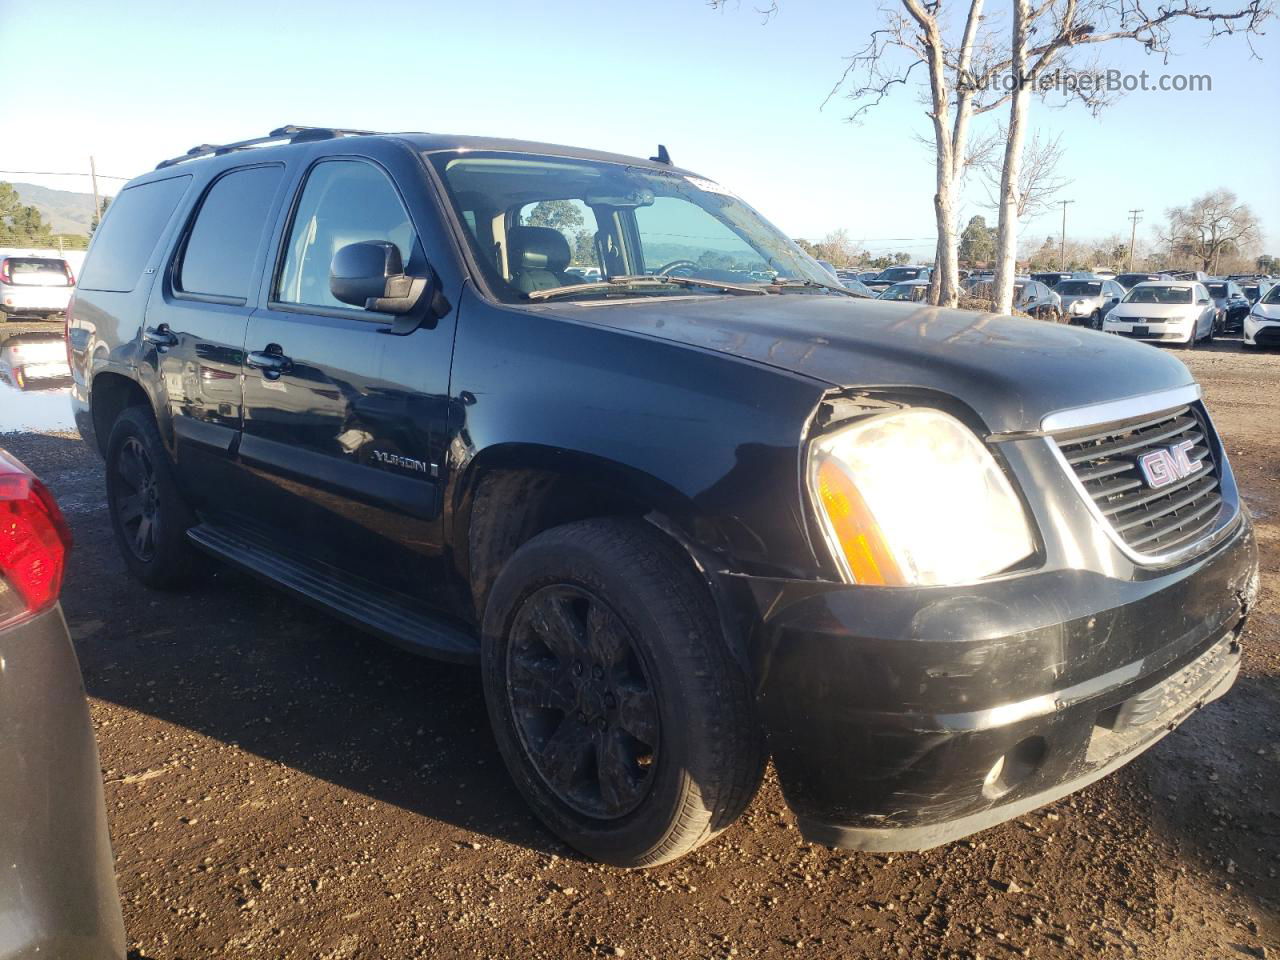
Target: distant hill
(64,210)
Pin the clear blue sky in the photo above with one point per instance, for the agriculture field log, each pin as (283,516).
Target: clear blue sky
(733,98)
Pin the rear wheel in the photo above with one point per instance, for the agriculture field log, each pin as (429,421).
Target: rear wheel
(616,704)
(1095,321)
(148,513)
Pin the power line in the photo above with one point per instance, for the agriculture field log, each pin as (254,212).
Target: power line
(54,173)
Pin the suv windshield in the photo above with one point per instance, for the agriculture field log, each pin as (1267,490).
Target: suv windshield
(1079,288)
(539,223)
(1159,295)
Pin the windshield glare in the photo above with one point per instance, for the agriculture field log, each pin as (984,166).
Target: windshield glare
(1159,295)
(1079,288)
(540,223)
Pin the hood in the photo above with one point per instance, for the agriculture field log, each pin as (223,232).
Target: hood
(1010,371)
(1155,311)
(1266,311)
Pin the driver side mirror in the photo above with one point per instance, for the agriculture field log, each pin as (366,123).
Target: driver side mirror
(371,275)
(1203,303)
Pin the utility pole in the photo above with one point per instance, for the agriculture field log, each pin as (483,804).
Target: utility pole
(1062,249)
(1133,235)
(97,204)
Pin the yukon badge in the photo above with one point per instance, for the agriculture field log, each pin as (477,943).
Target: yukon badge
(1166,465)
(404,463)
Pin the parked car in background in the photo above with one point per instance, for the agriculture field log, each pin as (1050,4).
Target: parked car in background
(57,883)
(910,290)
(1052,278)
(1105,274)
(1231,303)
(1029,296)
(1255,290)
(1086,302)
(681,522)
(893,275)
(1128,280)
(29,358)
(1165,311)
(866,275)
(1262,325)
(32,286)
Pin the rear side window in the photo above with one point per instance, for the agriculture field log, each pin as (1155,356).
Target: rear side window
(129,232)
(220,250)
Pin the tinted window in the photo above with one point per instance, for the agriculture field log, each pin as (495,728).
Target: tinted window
(1079,288)
(1217,289)
(1159,294)
(36,271)
(343,202)
(220,250)
(129,232)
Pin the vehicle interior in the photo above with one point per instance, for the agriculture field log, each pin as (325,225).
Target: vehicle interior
(542,223)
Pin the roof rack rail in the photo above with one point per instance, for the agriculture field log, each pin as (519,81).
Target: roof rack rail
(290,132)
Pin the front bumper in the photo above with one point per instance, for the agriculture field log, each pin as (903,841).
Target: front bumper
(1177,332)
(901,719)
(1261,333)
(57,887)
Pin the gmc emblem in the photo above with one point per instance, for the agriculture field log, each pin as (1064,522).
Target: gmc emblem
(1166,465)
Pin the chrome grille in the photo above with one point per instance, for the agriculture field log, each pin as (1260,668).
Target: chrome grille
(1149,521)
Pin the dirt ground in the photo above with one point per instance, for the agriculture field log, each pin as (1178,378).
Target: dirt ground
(281,786)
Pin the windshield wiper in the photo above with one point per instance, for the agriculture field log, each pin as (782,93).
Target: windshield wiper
(641,281)
(815,284)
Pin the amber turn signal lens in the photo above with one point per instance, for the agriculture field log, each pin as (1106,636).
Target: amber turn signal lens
(856,529)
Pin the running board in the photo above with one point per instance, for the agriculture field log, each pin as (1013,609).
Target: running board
(386,613)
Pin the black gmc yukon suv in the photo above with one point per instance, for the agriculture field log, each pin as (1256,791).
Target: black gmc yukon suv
(591,422)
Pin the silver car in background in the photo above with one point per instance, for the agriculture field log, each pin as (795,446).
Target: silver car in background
(1165,312)
(58,898)
(1086,301)
(34,286)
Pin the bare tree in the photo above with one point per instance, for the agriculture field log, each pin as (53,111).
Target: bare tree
(1039,182)
(1213,226)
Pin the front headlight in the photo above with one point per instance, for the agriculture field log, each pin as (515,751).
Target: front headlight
(913,498)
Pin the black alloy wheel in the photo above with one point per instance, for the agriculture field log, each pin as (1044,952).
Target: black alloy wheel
(619,708)
(137,499)
(148,512)
(582,701)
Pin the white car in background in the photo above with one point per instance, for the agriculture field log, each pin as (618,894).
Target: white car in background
(1173,311)
(1262,325)
(34,286)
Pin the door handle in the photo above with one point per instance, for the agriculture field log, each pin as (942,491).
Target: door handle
(161,337)
(271,361)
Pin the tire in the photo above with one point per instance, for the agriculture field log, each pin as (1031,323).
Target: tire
(1095,321)
(141,490)
(1213,332)
(687,749)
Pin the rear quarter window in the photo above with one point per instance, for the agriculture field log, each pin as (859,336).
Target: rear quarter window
(222,245)
(129,233)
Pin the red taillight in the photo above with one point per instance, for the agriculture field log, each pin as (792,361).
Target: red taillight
(4,271)
(34,541)
(71,277)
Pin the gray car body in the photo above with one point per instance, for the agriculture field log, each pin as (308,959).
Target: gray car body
(58,898)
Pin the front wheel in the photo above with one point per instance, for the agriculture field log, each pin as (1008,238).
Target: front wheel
(616,703)
(1095,321)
